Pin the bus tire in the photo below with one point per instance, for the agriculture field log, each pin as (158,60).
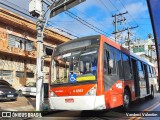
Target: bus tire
(152,92)
(126,100)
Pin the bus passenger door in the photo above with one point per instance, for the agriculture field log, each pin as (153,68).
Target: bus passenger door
(146,78)
(136,78)
(142,81)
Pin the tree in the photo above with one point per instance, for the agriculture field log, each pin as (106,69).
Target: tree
(149,35)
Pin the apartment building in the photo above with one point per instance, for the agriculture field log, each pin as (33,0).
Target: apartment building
(18,48)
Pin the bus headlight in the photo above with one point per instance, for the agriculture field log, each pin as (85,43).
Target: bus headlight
(92,91)
(1,92)
(52,94)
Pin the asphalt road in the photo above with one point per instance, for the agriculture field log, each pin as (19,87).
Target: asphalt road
(143,107)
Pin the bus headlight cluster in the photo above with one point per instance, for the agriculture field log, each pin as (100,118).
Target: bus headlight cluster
(1,92)
(52,94)
(92,91)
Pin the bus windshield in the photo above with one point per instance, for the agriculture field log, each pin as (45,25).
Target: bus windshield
(76,66)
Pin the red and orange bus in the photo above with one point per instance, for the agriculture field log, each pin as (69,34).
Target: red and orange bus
(92,73)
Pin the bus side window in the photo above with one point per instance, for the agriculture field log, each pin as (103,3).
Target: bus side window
(149,72)
(110,62)
(153,71)
(140,70)
(119,64)
(126,67)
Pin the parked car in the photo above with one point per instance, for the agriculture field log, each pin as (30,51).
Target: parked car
(7,92)
(30,89)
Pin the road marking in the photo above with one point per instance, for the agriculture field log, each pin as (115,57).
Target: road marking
(147,109)
(151,106)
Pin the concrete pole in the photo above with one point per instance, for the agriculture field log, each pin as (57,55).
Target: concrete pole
(116,28)
(128,40)
(39,81)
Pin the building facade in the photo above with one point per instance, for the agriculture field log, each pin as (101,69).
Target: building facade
(146,49)
(18,48)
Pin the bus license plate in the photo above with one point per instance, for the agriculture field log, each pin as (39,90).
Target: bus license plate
(9,95)
(69,100)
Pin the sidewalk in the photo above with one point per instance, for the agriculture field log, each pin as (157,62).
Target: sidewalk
(22,104)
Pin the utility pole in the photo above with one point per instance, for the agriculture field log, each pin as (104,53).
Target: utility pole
(35,9)
(128,41)
(116,21)
(39,85)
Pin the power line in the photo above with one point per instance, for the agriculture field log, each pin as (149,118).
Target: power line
(132,17)
(61,29)
(88,17)
(113,5)
(105,6)
(81,21)
(116,21)
(86,23)
(128,12)
(24,13)
(15,5)
(17,10)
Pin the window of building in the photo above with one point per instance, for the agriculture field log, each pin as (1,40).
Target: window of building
(30,75)
(18,42)
(6,75)
(47,50)
(141,48)
(126,66)
(135,49)
(20,74)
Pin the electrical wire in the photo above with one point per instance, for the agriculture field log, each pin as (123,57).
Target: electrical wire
(105,6)
(23,12)
(61,30)
(96,29)
(84,23)
(64,28)
(17,10)
(114,5)
(132,17)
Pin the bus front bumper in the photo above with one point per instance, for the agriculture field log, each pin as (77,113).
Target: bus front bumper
(77,103)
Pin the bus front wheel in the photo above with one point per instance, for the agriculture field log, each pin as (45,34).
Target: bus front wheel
(126,100)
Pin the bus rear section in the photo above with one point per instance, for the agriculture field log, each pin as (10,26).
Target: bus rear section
(74,76)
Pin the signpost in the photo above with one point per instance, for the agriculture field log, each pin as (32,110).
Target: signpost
(63,5)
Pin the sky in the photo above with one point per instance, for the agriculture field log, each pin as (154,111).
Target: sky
(98,13)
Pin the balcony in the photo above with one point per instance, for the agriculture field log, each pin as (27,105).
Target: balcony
(19,52)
